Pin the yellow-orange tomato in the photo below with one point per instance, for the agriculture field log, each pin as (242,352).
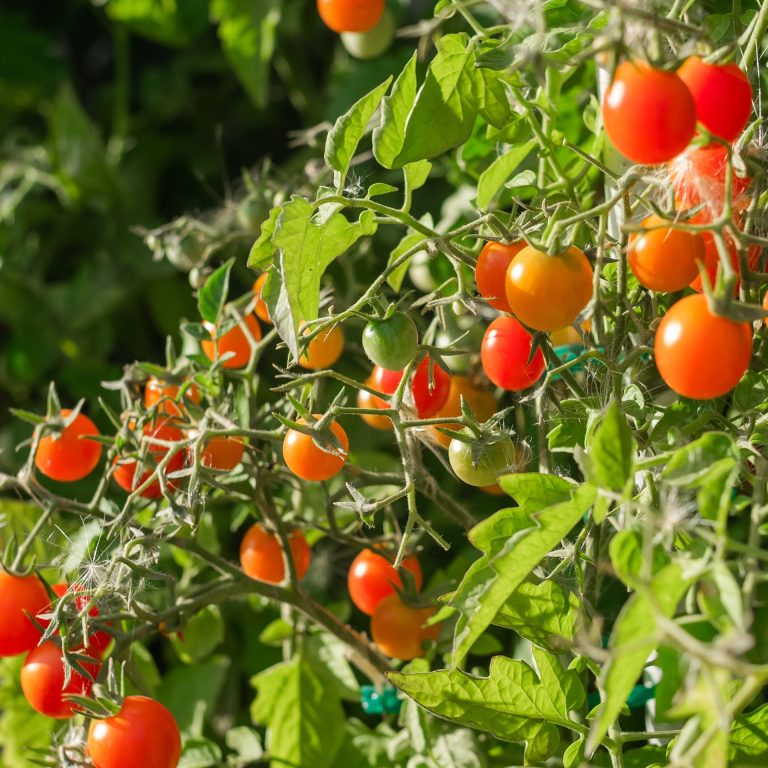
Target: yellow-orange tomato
(369,400)
(479,399)
(546,292)
(765,307)
(70,454)
(261,556)
(309,462)
(261,309)
(491,272)
(234,341)
(665,258)
(350,15)
(570,335)
(165,396)
(493,490)
(221,452)
(324,350)
(398,630)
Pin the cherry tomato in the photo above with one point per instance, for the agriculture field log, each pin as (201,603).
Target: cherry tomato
(504,355)
(125,469)
(493,490)
(546,292)
(42,681)
(429,396)
(391,343)
(69,455)
(372,577)
(166,396)
(385,381)
(234,341)
(310,462)
(665,259)
(492,460)
(398,630)
(722,95)
(368,400)
(564,337)
(480,400)
(698,178)
(261,309)
(20,598)
(371,44)
(261,555)
(223,453)
(350,15)
(648,114)
(698,354)
(491,272)
(324,350)
(143,727)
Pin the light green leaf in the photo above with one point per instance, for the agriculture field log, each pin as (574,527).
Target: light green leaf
(692,463)
(628,557)
(247,32)
(200,753)
(396,276)
(172,22)
(213,295)
(202,633)
(612,451)
(245,743)
(328,656)
(389,135)
(380,189)
(514,541)
(496,174)
(346,133)
(304,719)
(749,738)
(263,250)
(535,490)
(416,174)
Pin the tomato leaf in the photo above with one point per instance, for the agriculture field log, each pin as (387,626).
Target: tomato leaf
(749,737)
(389,136)
(610,455)
(498,172)
(213,295)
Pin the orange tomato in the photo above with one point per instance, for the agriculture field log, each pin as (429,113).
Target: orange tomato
(221,452)
(167,395)
(70,454)
(324,350)
(491,272)
(234,341)
(398,630)
(261,556)
(350,15)
(368,400)
(261,309)
(372,577)
(479,399)
(309,462)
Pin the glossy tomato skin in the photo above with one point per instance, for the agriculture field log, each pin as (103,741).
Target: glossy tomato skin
(648,114)
(491,272)
(504,355)
(374,42)
(665,258)
(480,400)
(234,341)
(261,309)
(384,380)
(308,461)
(398,630)
(367,400)
(391,342)
(546,292)
(429,397)
(142,728)
(125,469)
(223,452)
(495,459)
(698,354)
(350,15)
(722,95)
(165,396)
(70,455)
(42,681)
(372,577)
(19,596)
(324,350)
(261,556)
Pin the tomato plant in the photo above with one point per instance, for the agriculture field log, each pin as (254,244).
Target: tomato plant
(166,396)
(70,454)
(235,345)
(491,272)
(482,464)
(399,631)
(307,460)
(391,342)
(506,355)
(430,387)
(372,578)
(323,350)
(261,555)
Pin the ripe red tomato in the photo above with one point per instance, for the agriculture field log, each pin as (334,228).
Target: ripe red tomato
(350,15)
(385,381)
(324,350)
(491,272)
(398,630)
(368,400)
(722,95)
(648,114)
(125,469)
(548,292)
(234,341)
(429,397)
(261,556)
(223,453)
(665,259)
(19,596)
(166,395)
(261,309)
(69,455)
(142,728)
(42,681)
(372,577)
(504,355)
(698,354)
(479,399)
(309,462)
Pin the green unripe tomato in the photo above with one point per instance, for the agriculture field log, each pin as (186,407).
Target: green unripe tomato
(374,42)
(391,343)
(252,212)
(492,461)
